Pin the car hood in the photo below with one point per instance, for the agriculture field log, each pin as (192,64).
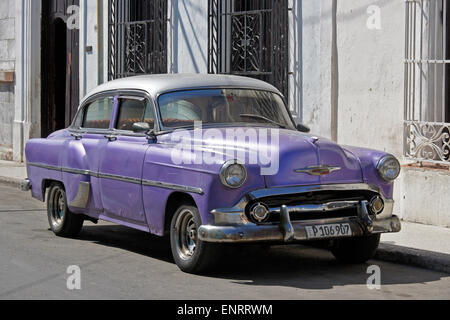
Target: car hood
(285,157)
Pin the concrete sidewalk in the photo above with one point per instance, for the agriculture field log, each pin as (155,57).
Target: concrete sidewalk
(417,245)
(12,173)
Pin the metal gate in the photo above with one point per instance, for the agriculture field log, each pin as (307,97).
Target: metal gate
(137,37)
(250,38)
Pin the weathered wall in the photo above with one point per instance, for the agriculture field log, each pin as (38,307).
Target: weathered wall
(425,196)
(370,62)
(371,37)
(371,72)
(371,75)
(7,63)
(316,83)
(188,36)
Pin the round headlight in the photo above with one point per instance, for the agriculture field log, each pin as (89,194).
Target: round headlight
(389,168)
(233,174)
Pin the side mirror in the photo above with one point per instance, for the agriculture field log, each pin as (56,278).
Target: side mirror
(141,127)
(303,128)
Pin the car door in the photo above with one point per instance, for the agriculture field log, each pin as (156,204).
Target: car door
(81,158)
(122,162)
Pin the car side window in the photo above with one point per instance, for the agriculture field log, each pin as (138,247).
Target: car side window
(179,113)
(98,114)
(149,116)
(132,111)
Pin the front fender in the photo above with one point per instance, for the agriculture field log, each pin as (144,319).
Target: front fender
(369,160)
(160,169)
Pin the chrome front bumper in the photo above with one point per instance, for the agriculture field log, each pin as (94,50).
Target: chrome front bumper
(232,226)
(279,233)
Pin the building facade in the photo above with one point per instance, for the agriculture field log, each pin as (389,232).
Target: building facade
(372,73)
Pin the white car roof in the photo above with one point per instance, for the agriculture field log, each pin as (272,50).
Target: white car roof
(158,84)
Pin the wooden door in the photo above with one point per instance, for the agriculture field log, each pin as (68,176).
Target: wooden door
(59,65)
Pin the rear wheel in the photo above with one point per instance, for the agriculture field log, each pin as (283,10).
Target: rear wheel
(190,254)
(356,250)
(62,222)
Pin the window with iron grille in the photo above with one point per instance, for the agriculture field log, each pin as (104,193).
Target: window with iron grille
(427,81)
(250,38)
(137,37)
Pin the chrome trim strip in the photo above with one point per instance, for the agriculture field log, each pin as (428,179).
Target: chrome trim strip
(119,178)
(147,183)
(45,166)
(174,187)
(78,171)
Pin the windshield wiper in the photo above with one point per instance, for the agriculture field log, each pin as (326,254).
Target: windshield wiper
(257,116)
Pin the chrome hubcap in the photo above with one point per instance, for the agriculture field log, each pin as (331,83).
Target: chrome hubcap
(186,235)
(57,207)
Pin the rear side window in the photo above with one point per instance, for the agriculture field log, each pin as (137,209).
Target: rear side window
(98,114)
(134,110)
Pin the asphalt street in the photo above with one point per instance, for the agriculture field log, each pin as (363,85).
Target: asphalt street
(120,263)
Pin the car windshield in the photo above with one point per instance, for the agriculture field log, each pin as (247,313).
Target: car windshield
(223,107)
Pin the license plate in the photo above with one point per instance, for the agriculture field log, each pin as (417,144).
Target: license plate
(329,231)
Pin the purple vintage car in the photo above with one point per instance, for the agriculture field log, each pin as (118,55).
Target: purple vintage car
(210,160)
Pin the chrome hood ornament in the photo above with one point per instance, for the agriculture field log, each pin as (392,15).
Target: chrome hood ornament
(318,170)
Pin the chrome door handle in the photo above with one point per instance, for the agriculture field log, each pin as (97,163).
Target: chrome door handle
(77,136)
(111,138)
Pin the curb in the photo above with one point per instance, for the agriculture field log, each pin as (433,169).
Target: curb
(435,261)
(12,182)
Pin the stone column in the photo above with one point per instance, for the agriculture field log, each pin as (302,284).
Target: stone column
(28,75)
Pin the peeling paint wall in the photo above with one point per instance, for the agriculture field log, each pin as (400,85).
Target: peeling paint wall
(371,69)
(371,72)
(316,46)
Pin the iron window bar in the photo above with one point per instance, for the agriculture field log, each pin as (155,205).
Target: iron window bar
(250,38)
(427,73)
(137,37)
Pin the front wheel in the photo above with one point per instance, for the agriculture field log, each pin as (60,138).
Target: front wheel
(356,250)
(62,222)
(190,254)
